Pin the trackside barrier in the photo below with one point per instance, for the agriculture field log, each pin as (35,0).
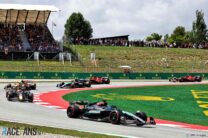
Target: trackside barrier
(67,75)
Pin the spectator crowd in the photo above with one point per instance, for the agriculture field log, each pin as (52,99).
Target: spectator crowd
(143,43)
(109,42)
(9,38)
(39,38)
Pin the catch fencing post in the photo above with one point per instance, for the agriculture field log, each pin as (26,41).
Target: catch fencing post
(36,57)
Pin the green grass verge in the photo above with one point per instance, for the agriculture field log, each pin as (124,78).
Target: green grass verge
(145,59)
(43,66)
(184,108)
(52,130)
(141,59)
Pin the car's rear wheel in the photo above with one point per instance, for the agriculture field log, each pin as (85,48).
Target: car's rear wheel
(73,112)
(73,86)
(115,117)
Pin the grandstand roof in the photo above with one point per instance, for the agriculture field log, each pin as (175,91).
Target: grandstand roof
(111,37)
(20,13)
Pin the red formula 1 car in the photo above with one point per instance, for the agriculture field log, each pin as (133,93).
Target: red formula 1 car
(188,78)
(99,80)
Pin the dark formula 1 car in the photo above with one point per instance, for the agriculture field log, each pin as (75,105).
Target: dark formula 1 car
(101,111)
(20,95)
(30,85)
(188,78)
(99,80)
(24,84)
(77,83)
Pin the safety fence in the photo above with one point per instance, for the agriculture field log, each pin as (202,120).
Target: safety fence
(68,75)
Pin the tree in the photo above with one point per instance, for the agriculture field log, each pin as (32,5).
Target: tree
(199,28)
(178,36)
(154,36)
(166,38)
(77,28)
(149,38)
(189,37)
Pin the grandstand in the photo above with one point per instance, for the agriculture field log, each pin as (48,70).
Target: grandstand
(23,31)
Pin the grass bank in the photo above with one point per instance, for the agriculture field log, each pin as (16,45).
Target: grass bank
(141,59)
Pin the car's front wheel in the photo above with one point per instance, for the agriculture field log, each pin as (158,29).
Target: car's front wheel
(30,98)
(21,97)
(89,84)
(107,81)
(143,116)
(8,96)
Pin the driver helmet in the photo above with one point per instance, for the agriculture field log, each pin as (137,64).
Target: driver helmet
(17,84)
(102,103)
(137,113)
(105,102)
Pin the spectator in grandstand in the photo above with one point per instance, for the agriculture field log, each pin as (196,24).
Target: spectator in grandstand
(9,37)
(41,39)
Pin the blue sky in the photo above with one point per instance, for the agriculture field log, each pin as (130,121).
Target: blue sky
(138,18)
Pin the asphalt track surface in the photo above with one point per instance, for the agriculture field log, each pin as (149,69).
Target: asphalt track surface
(35,114)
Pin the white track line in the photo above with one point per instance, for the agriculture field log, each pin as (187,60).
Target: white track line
(52,106)
(170,125)
(42,103)
(37,100)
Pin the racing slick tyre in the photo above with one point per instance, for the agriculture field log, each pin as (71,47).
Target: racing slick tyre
(30,98)
(8,96)
(173,80)
(181,80)
(8,86)
(21,97)
(88,85)
(108,81)
(115,116)
(152,121)
(73,86)
(33,87)
(73,112)
(143,116)
(198,79)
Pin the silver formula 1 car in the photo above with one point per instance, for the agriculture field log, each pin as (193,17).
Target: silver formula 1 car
(101,111)
(77,83)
